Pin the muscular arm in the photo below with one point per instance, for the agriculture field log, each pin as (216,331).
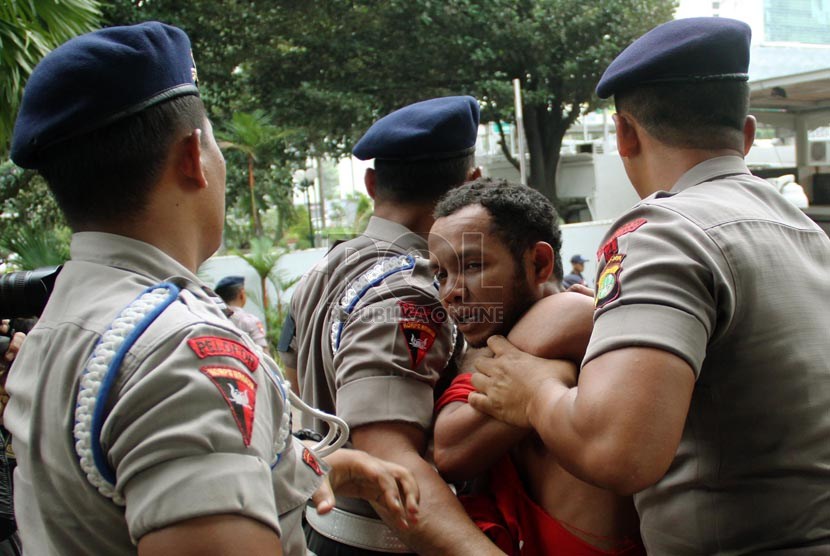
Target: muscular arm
(215,535)
(467,442)
(618,429)
(443,528)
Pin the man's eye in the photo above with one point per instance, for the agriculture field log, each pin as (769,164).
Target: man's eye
(440,277)
(472,266)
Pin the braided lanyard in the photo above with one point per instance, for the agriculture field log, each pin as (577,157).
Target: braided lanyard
(99,376)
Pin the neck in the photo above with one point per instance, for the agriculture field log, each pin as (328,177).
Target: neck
(661,166)
(417,218)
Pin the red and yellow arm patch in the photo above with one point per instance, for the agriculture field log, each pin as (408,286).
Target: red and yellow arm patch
(239,390)
(215,346)
(419,325)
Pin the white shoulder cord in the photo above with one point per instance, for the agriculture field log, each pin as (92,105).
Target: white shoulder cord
(99,376)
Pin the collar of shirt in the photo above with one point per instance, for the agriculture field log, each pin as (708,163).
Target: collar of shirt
(710,169)
(392,232)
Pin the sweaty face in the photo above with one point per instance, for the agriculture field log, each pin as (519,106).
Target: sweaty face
(480,284)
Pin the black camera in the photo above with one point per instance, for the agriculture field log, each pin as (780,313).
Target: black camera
(24,294)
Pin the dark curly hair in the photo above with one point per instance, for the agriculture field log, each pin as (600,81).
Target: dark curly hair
(521,215)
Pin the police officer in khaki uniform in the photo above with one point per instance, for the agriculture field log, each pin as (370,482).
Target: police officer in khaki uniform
(706,385)
(371,338)
(143,420)
(232,291)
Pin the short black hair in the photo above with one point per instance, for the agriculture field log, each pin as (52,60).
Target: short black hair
(706,115)
(230,292)
(420,181)
(520,215)
(106,175)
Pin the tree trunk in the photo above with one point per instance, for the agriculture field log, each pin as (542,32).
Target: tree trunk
(254,214)
(321,194)
(544,131)
(264,293)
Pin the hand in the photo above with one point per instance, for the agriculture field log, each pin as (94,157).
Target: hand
(471,355)
(508,382)
(581,288)
(390,488)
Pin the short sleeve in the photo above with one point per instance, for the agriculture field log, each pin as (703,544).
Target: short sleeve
(391,353)
(658,286)
(193,430)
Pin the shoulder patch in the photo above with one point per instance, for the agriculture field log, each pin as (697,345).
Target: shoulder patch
(608,284)
(311,460)
(215,346)
(418,324)
(610,248)
(239,390)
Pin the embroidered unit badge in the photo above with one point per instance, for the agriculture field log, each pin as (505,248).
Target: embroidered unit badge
(419,338)
(239,391)
(310,460)
(610,247)
(418,324)
(608,284)
(214,346)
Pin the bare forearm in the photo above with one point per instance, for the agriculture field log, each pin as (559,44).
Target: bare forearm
(620,428)
(443,528)
(467,442)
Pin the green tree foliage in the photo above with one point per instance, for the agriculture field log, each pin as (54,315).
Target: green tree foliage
(30,220)
(28,30)
(252,134)
(331,67)
(336,65)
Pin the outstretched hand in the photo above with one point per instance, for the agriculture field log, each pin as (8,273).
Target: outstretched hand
(507,382)
(390,488)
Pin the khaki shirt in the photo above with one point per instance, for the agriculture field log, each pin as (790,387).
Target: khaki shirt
(176,435)
(723,272)
(371,337)
(250,325)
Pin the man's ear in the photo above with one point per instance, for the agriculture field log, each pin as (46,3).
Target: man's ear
(190,160)
(541,255)
(370,181)
(628,140)
(474,174)
(749,133)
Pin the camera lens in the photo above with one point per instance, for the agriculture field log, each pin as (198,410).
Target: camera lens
(24,294)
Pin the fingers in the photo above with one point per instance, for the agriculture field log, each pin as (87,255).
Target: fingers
(480,402)
(584,290)
(400,492)
(14,346)
(499,345)
(323,498)
(410,492)
(481,380)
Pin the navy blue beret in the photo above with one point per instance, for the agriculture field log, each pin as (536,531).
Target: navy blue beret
(228,281)
(435,129)
(683,50)
(95,79)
